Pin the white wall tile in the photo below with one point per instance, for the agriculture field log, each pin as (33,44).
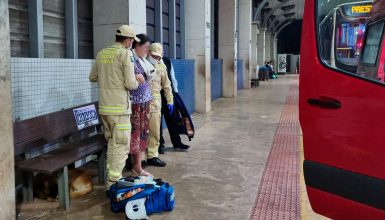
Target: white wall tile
(41,86)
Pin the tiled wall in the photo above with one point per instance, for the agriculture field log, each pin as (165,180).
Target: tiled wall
(185,75)
(41,86)
(240,74)
(216,79)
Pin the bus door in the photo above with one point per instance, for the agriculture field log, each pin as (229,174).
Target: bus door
(342,115)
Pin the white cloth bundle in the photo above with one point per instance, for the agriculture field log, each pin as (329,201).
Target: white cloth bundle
(147,67)
(136,209)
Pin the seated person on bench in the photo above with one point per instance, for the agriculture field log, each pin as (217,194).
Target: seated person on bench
(269,67)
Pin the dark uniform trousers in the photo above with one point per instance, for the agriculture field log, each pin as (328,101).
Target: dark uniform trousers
(172,124)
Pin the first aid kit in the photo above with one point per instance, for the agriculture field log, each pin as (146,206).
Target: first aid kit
(141,196)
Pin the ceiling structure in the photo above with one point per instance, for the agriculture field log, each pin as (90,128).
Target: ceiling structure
(275,14)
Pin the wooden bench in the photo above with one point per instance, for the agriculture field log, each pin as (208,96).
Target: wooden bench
(52,128)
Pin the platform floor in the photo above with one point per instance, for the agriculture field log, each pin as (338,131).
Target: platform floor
(244,163)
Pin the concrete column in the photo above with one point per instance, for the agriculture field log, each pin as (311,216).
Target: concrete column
(228,45)
(71,16)
(254,56)
(198,41)
(244,43)
(272,47)
(275,53)
(109,15)
(268,46)
(261,47)
(137,15)
(7,172)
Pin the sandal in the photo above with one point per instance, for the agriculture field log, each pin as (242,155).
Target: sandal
(143,173)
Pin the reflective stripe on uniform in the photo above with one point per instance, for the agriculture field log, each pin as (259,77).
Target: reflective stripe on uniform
(114,174)
(123,126)
(111,109)
(156,95)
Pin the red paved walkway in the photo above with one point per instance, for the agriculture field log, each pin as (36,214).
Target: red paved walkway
(279,191)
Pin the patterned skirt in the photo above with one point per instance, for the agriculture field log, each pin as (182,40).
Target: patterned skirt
(140,118)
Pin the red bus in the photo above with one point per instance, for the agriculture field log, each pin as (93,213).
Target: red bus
(341,115)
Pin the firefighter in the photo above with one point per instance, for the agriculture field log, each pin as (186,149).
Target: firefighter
(114,71)
(159,82)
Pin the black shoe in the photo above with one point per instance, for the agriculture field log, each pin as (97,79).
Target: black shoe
(161,149)
(156,162)
(129,163)
(181,146)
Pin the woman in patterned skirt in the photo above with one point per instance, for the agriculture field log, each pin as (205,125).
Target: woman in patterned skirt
(140,98)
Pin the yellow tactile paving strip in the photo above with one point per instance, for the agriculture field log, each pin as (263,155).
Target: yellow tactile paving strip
(306,211)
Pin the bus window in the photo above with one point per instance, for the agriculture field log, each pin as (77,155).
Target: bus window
(349,38)
(372,44)
(341,32)
(369,66)
(326,31)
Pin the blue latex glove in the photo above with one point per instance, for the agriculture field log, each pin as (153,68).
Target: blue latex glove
(170,108)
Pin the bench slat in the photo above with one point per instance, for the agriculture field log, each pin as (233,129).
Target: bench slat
(67,122)
(41,130)
(57,159)
(20,126)
(25,146)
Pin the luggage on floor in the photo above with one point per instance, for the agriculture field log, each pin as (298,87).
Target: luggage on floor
(128,193)
(162,199)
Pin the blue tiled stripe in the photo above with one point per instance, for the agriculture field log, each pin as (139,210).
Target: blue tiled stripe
(216,79)
(185,75)
(240,74)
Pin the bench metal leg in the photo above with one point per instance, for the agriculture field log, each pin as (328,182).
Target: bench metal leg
(64,199)
(102,167)
(27,186)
